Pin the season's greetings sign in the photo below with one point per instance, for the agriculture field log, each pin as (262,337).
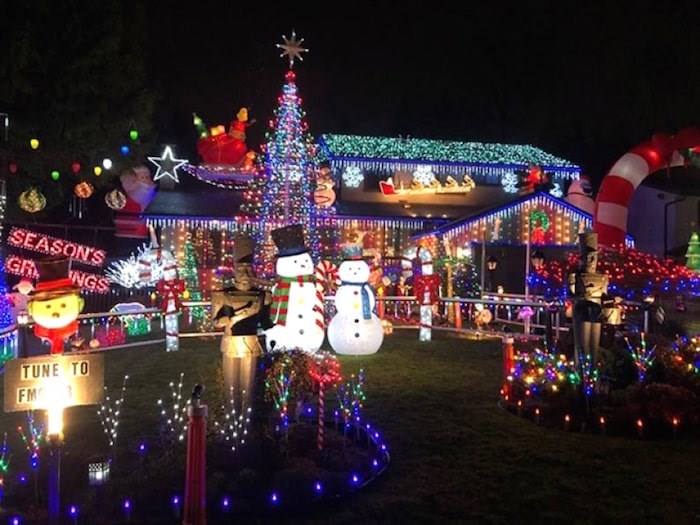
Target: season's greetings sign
(46,244)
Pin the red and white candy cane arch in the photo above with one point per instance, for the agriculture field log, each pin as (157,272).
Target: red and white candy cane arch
(615,194)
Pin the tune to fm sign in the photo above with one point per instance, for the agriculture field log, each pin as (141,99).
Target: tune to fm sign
(46,372)
(36,382)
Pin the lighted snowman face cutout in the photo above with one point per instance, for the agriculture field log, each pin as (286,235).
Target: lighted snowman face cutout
(56,312)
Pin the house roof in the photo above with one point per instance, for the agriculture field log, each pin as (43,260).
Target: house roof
(335,146)
(678,180)
(466,219)
(198,201)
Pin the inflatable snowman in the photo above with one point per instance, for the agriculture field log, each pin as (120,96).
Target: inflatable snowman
(297,305)
(355,329)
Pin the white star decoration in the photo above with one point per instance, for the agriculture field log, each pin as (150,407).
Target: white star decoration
(292,48)
(167,164)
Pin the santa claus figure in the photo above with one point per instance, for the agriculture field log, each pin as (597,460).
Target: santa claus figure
(55,303)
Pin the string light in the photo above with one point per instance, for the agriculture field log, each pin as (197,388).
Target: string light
(109,414)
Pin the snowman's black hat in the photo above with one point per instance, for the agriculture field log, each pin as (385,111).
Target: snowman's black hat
(289,240)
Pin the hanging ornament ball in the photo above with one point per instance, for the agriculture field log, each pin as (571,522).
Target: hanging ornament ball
(32,200)
(12,167)
(134,135)
(84,189)
(55,175)
(186,295)
(124,150)
(97,170)
(115,199)
(34,143)
(75,167)
(107,164)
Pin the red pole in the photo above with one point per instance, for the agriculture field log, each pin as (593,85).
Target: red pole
(508,362)
(458,315)
(195,476)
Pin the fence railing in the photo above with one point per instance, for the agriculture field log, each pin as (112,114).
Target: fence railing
(507,315)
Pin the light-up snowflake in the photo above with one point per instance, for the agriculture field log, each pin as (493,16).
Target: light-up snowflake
(129,272)
(424,175)
(509,181)
(353,177)
(556,191)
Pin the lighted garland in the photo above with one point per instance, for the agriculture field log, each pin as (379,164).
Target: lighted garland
(541,217)
(32,200)
(397,148)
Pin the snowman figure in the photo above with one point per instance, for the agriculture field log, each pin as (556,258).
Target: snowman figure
(297,305)
(355,329)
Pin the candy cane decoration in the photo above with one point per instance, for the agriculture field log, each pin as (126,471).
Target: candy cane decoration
(325,370)
(327,276)
(615,194)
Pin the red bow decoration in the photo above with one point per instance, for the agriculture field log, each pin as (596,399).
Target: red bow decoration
(170,290)
(429,283)
(56,336)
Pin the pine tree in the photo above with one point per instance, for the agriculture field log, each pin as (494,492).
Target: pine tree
(693,253)
(188,273)
(289,174)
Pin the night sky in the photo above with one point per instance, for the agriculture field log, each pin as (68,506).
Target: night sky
(584,80)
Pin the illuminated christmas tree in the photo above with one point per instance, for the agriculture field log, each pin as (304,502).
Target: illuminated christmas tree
(5,308)
(287,191)
(188,273)
(693,253)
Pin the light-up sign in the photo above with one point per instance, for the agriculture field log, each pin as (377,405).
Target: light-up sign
(91,282)
(38,242)
(36,382)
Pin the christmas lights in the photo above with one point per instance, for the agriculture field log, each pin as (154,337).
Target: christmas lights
(353,177)
(109,414)
(355,146)
(642,356)
(173,420)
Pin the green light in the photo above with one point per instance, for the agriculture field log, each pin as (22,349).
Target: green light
(134,135)
(356,146)
(55,175)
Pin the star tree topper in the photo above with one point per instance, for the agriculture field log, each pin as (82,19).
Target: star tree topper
(292,48)
(167,164)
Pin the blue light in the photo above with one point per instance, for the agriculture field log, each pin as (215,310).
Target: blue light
(318,488)
(127,504)
(375,463)
(142,448)
(274,498)
(15,521)
(176,501)
(23,478)
(124,150)
(355,479)
(226,502)
(73,510)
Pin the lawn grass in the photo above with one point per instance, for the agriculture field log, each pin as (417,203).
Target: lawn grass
(456,456)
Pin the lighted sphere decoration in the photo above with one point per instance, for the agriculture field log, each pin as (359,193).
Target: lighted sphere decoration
(75,167)
(84,190)
(134,134)
(107,163)
(97,170)
(55,175)
(32,200)
(115,199)
(34,143)
(124,150)
(355,329)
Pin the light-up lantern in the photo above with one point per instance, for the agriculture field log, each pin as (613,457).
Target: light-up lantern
(34,143)
(98,473)
(84,190)
(32,200)
(115,199)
